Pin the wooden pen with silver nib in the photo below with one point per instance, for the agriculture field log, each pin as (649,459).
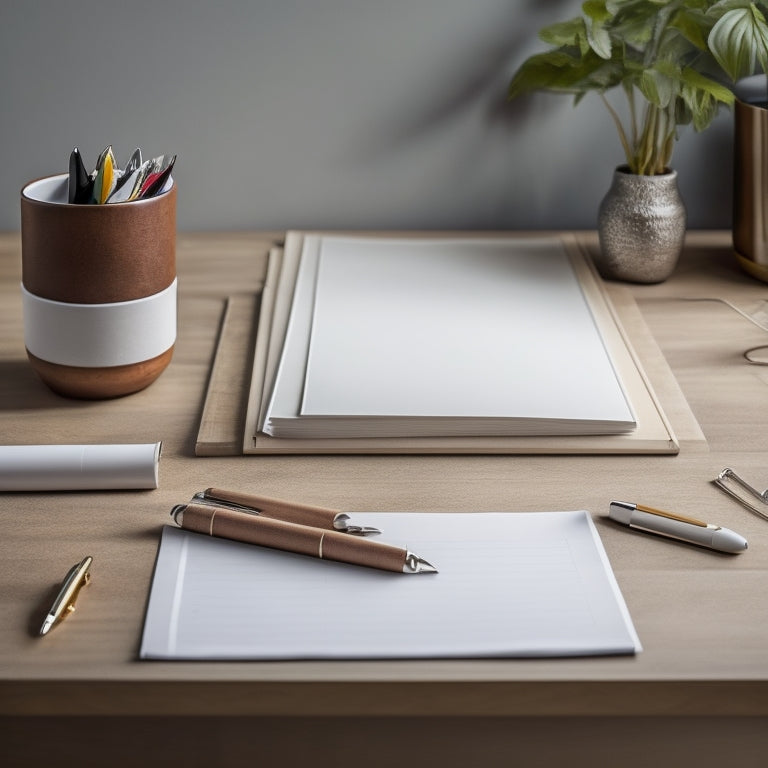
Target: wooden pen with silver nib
(253,528)
(291,512)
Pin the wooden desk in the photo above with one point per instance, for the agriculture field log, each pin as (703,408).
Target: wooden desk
(697,693)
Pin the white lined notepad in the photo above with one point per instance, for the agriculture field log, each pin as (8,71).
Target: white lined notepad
(509,585)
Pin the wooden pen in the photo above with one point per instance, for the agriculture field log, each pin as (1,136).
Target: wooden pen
(289,511)
(322,543)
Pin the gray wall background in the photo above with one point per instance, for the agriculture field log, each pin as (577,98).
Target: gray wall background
(322,113)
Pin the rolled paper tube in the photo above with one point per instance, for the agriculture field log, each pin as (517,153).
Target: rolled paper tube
(79,467)
(290,537)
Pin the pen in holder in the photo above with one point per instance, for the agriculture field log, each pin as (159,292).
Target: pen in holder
(98,288)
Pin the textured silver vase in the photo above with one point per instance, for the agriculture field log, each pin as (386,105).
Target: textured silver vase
(641,224)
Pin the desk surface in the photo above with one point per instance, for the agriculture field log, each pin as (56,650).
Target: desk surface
(702,617)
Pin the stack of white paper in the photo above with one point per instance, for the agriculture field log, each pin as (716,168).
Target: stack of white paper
(509,584)
(456,337)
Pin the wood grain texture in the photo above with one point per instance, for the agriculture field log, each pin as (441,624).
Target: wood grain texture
(702,617)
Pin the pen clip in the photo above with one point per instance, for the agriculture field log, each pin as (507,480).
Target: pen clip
(212,501)
(671,516)
(341,523)
(77,577)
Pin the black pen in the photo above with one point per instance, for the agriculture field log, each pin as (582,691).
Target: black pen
(80,182)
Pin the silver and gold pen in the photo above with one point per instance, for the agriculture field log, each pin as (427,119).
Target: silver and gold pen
(322,543)
(676,526)
(77,577)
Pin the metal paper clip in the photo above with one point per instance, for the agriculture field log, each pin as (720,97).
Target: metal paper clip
(729,476)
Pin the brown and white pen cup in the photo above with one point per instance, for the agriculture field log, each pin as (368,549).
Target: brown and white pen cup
(98,289)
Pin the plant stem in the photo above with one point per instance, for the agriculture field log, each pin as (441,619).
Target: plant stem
(622,134)
(665,140)
(644,154)
(658,141)
(630,91)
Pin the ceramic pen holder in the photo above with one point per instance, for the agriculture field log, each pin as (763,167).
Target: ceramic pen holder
(98,289)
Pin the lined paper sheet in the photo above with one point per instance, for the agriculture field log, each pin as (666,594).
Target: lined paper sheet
(509,585)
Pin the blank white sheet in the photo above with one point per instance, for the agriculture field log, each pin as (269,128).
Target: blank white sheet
(455,328)
(509,585)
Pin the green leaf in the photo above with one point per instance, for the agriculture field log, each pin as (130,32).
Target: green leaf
(701,108)
(595,17)
(564,33)
(634,21)
(738,40)
(717,91)
(599,40)
(683,114)
(716,10)
(564,72)
(567,34)
(596,10)
(658,86)
(693,25)
(540,71)
(703,97)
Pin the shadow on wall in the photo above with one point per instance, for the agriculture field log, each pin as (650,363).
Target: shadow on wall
(481,85)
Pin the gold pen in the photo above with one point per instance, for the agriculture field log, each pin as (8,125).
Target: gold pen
(77,577)
(325,544)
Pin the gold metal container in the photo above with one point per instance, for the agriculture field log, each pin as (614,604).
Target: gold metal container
(750,188)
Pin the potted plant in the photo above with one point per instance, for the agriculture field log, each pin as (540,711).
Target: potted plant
(669,58)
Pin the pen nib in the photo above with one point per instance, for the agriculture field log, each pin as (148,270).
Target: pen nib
(50,619)
(415,564)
